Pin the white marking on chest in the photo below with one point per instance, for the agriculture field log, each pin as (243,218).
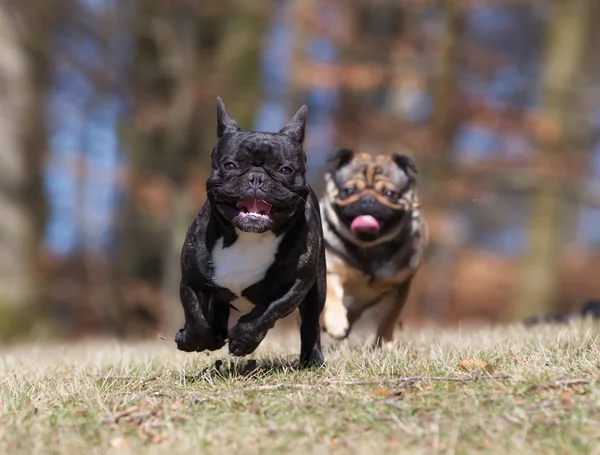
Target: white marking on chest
(244,263)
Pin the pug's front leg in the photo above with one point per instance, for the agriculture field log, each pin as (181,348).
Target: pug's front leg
(196,335)
(389,315)
(335,316)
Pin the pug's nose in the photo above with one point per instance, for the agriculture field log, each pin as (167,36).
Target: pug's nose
(256,179)
(367,202)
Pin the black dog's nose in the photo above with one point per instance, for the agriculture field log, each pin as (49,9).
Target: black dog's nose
(367,201)
(256,179)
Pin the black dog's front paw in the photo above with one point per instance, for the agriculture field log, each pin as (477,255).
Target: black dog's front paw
(244,339)
(313,359)
(189,340)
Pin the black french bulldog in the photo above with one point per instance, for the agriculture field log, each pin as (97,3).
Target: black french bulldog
(256,245)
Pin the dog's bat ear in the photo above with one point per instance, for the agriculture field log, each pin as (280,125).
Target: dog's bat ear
(405,162)
(341,157)
(225,122)
(296,126)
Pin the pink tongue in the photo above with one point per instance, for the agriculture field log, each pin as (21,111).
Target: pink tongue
(364,223)
(255,205)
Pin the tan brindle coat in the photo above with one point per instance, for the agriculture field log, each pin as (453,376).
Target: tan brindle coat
(363,274)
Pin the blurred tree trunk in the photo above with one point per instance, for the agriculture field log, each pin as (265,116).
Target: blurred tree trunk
(154,139)
(33,21)
(444,88)
(21,201)
(566,38)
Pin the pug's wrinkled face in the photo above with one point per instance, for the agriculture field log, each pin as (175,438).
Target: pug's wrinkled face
(257,181)
(371,195)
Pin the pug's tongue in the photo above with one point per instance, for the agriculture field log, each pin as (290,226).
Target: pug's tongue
(255,206)
(364,224)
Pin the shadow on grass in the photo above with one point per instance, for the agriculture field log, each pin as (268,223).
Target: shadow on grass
(236,368)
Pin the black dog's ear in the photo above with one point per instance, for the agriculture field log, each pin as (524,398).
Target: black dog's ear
(296,126)
(342,157)
(405,162)
(225,122)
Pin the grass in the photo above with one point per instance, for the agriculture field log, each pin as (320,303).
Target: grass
(537,391)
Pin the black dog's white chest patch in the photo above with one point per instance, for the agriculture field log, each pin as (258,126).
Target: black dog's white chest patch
(244,263)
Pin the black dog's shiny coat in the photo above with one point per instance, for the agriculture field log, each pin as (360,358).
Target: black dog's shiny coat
(297,276)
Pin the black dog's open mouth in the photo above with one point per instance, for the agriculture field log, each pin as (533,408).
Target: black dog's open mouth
(254,208)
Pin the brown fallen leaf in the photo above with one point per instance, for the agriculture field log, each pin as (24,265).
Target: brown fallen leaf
(159,437)
(566,400)
(567,404)
(254,408)
(392,444)
(119,442)
(489,368)
(536,388)
(473,364)
(335,443)
(380,393)
(542,418)
(177,404)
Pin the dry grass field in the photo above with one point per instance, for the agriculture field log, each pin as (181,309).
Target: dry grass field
(493,391)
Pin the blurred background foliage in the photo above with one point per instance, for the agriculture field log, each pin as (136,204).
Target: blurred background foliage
(107,117)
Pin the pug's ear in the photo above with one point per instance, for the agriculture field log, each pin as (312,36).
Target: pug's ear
(341,157)
(296,126)
(225,122)
(405,162)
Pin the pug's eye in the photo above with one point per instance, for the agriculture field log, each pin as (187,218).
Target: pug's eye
(391,195)
(346,192)
(285,170)
(229,166)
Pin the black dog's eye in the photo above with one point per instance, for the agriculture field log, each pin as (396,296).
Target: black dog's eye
(285,170)
(392,195)
(230,166)
(348,192)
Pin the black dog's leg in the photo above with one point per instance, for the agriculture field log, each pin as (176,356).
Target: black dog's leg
(251,329)
(245,336)
(196,335)
(310,332)
(310,313)
(218,318)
